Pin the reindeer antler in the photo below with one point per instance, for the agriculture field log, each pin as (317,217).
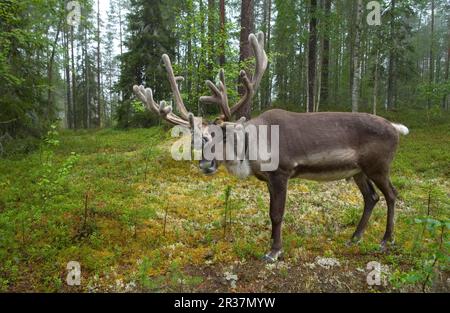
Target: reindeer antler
(220,95)
(219,92)
(174,85)
(163,109)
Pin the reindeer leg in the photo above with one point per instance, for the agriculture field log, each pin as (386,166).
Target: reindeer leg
(390,194)
(278,188)
(370,199)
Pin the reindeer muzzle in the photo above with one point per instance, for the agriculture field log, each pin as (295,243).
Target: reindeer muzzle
(208,167)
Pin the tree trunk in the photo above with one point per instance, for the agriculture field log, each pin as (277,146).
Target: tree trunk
(69,120)
(120,28)
(356,61)
(245,50)
(326,54)
(375,83)
(50,71)
(337,70)
(351,43)
(432,44)
(86,65)
(189,57)
(222,31)
(121,41)
(392,55)
(268,102)
(431,78)
(74,106)
(445,103)
(312,47)
(83,72)
(99,84)
(318,76)
(202,56)
(211,34)
(265,85)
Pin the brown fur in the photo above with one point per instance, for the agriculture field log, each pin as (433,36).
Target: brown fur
(314,144)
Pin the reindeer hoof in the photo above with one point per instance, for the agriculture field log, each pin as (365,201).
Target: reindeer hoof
(352,242)
(385,245)
(272,256)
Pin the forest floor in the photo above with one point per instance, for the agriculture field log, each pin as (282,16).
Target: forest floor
(137,220)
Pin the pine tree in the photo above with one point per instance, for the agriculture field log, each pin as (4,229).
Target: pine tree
(150,34)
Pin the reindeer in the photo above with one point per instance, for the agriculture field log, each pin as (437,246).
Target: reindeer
(315,146)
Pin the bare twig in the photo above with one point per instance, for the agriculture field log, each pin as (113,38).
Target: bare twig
(428,214)
(10,121)
(165,219)
(225,223)
(226,209)
(86,198)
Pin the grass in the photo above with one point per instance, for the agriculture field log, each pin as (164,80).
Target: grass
(136,220)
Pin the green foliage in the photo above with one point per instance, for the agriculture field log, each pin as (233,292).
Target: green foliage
(351,216)
(131,114)
(434,93)
(286,59)
(24,45)
(52,180)
(174,281)
(141,63)
(434,254)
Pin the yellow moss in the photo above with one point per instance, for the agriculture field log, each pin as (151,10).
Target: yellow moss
(299,188)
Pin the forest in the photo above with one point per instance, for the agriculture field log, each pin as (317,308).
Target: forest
(86,173)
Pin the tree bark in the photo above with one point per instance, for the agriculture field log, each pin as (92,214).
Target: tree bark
(318,75)
(326,54)
(121,41)
(265,85)
(69,120)
(50,70)
(211,34)
(120,28)
(222,32)
(86,65)
(99,84)
(447,63)
(375,84)
(245,50)
(312,47)
(356,59)
(432,44)
(431,73)
(351,43)
(392,56)
(269,32)
(74,106)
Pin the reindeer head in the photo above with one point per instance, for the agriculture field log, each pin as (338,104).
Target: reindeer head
(219,96)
